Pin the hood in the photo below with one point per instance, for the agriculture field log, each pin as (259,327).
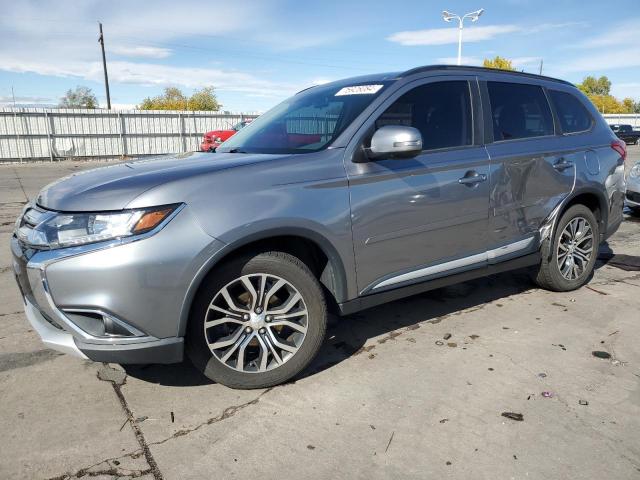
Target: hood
(115,186)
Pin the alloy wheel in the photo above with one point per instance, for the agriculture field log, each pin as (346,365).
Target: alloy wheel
(575,248)
(256,323)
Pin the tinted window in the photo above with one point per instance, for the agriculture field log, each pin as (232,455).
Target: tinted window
(441,111)
(519,111)
(572,114)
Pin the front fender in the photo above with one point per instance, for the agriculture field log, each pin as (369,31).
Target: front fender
(342,276)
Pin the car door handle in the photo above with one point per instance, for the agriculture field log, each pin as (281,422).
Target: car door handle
(472,178)
(562,164)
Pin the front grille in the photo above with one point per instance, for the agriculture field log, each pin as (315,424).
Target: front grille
(30,220)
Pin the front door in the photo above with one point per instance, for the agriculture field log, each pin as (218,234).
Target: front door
(423,217)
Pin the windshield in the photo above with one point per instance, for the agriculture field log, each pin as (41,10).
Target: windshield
(307,122)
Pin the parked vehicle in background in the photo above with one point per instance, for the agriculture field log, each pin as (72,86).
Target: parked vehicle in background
(633,189)
(345,196)
(626,133)
(213,139)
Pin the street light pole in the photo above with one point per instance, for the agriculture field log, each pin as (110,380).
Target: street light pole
(448,17)
(460,27)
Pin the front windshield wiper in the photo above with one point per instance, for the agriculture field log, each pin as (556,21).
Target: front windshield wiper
(236,150)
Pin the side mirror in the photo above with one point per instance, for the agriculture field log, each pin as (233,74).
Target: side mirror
(395,141)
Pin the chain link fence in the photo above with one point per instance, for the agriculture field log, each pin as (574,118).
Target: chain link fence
(39,134)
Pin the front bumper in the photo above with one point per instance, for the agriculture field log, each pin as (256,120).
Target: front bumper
(51,336)
(71,295)
(633,198)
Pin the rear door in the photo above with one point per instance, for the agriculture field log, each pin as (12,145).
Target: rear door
(418,218)
(530,172)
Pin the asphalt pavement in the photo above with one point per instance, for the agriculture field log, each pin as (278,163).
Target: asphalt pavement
(413,389)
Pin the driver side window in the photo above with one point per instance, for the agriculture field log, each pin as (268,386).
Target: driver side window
(441,111)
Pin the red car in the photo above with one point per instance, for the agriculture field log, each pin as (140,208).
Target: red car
(213,139)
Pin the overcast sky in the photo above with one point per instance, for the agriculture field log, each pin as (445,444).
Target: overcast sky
(257,53)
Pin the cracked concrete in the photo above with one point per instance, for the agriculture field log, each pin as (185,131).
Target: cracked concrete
(412,389)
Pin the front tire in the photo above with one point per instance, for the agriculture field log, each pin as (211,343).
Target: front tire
(257,321)
(569,256)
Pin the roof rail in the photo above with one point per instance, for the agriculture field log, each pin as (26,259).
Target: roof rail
(429,68)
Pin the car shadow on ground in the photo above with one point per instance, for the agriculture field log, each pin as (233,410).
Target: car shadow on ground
(347,336)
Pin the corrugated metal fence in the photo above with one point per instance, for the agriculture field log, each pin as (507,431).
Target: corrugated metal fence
(632,119)
(28,134)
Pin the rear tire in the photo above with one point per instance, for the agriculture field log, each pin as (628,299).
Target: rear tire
(569,255)
(274,328)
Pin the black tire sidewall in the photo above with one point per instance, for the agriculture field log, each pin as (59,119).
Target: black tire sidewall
(556,276)
(290,269)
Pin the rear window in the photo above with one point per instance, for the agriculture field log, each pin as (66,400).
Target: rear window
(572,114)
(519,111)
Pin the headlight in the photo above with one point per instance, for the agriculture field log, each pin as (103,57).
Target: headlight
(56,230)
(635,171)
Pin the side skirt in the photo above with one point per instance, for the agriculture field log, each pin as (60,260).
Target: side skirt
(374,299)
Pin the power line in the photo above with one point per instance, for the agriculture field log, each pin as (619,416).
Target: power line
(235,53)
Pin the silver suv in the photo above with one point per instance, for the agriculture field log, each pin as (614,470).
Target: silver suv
(345,196)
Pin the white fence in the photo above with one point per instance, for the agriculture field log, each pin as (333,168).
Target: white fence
(632,119)
(28,134)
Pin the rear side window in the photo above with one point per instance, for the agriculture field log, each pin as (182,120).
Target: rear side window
(441,111)
(519,111)
(572,114)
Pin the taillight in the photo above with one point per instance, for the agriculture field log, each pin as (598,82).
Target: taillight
(620,147)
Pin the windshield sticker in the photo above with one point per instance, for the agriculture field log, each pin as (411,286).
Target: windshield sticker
(359,90)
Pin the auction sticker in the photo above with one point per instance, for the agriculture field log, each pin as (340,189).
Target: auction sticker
(359,90)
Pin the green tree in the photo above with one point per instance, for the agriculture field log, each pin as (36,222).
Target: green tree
(499,63)
(171,99)
(174,99)
(595,86)
(79,97)
(204,99)
(629,105)
(608,104)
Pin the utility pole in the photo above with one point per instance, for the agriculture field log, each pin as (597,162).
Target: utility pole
(541,62)
(104,65)
(14,97)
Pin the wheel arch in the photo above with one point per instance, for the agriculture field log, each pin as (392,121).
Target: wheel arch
(298,241)
(591,197)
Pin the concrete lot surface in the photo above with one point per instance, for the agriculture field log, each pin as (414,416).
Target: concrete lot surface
(391,395)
